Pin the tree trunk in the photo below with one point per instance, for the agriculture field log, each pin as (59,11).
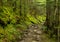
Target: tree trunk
(52,19)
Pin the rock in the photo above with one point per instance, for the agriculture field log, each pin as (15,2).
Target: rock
(34,41)
(38,36)
(35,30)
(28,39)
(36,27)
(25,35)
(22,41)
(39,32)
(29,34)
(34,36)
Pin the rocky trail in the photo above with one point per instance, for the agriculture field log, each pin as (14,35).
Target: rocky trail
(32,34)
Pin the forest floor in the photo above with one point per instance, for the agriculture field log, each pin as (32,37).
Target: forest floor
(34,34)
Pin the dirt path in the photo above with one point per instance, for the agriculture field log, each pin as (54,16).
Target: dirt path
(32,34)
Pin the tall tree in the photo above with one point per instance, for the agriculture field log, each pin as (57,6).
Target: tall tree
(52,19)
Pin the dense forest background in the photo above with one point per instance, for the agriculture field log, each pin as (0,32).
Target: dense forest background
(17,15)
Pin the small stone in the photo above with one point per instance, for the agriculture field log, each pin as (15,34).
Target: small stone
(32,26)
(34,41)
(38,36)
(29,34)
(25,35)
(35,30)
(38,32)
(22,41)
(36,27)
(30,30)
(34,36)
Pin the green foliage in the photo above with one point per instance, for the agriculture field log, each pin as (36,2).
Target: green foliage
(41,18)
(10,31)
(15,17)
(31,18)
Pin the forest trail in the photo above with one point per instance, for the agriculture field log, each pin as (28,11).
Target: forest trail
(32,34)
